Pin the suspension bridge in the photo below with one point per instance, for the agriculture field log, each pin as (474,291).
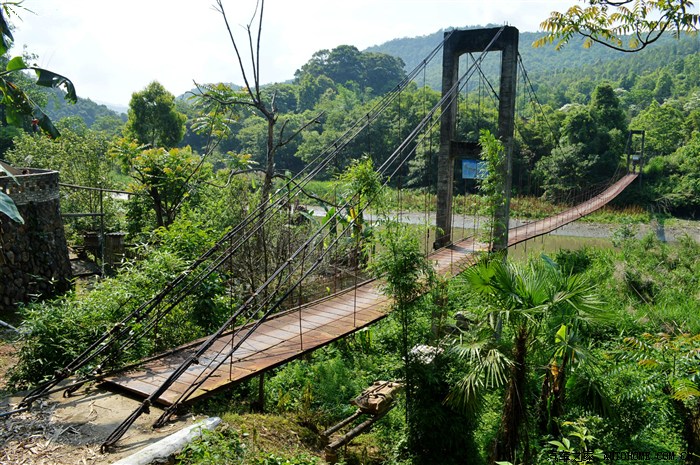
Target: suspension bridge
(281,318)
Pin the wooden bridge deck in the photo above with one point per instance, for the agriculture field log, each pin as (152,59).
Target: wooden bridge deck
(289,335)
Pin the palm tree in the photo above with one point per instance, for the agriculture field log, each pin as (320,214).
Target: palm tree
(574,307)
(521,301)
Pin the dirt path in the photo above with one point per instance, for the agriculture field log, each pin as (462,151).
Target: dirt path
(8,357)
(60,431)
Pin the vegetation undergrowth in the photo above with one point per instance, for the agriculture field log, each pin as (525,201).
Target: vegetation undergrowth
(253,439)
(612,387)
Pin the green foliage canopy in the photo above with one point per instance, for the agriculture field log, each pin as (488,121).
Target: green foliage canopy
(607,22)
(153,119)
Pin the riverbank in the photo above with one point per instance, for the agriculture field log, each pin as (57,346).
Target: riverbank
(666,230)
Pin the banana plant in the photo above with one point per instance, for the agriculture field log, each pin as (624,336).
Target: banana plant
(18,105)
(7,205)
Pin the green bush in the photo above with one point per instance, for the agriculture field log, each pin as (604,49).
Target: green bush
(318,390)
(55,332)
(221,446)
(573,261)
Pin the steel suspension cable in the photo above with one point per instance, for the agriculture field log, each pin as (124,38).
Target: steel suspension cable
(424,62)
(185,365)
(101,345)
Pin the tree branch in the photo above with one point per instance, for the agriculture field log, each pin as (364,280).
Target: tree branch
(221,10)
(284,142)
(257,52)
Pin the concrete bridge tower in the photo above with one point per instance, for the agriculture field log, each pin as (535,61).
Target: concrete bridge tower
(459,43)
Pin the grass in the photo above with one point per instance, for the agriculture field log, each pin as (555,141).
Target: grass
(620,215)
(260,439)
(274,434)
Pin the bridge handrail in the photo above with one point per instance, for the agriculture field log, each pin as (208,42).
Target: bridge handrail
(176,290)
(385,167)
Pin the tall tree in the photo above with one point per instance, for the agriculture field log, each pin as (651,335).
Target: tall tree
(606,109)
(166,176)
(252,95)
(664,126)
(518,299)
(153,119)
(347,66)
(153,128)
(382,72)
(591,144)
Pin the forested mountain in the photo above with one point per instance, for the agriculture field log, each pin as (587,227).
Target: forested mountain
(572,69)
(656,90)
(89,111)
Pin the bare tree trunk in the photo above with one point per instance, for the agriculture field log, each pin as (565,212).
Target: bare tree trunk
(157,206)
(270,162)
(691,431)
(506,444)
(552,398)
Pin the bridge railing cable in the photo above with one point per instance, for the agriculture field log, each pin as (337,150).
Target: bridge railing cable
(142,319)
(249,309)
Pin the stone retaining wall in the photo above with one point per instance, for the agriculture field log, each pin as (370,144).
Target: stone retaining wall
(33,256)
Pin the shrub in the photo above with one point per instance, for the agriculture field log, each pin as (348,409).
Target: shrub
(221,446)
(55,332)
(573,261)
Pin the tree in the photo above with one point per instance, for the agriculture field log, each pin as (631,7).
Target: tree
(663,126)
(162,172)
(519,300)
(607,22)
(346,65)
(407,274)
(591,144)
(79,155)
(110,125)
(606,109)
(311,89)
(563,171)
(382,72)
(153,119)
(664,87)
(252,96)
(166,176)
(679,183)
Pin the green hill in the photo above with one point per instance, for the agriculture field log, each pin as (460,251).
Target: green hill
(555,70)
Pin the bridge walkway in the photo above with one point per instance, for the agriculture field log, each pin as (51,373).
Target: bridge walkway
(291,334)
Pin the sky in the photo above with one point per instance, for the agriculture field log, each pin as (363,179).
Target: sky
(110,49)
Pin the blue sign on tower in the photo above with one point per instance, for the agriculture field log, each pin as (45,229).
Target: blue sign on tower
(474,169)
